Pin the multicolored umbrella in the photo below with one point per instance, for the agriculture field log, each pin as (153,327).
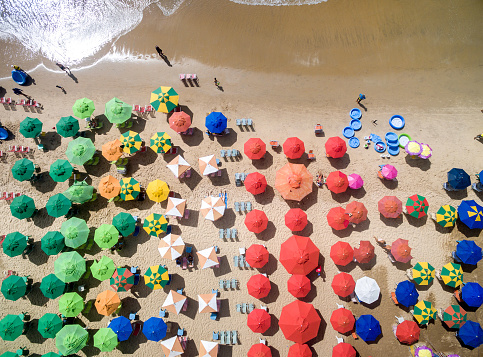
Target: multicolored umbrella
(299,285)
(406,293)
(408,332)
(216,122)
(155,329)
(299,255)
(389,172)
(413,148)
(471,334)
(390,206)
(208,348)
(417,206)
(156,277)
(178,166)
(71,339)
(468,252)
(80,150)
(207,258)
(458,179)
(342,320)
(105,339)
(122,327)
(164,99)
(117,112)
(357,212)
(423,273)
(171,246)
(172,346)
(255,148)
(11,327)
(259,321)
(103,269)
(337,182)
(112,150)
(75,232)
(109,187)
(364,253)
(295,219)
(14,287)
(132,142)
(343,284)
(67,126)
(454,316)
(60,170)
(23,170)
(335,147)
(14,244)
(446,216)
(452,275)
(155,224)
(52,287)
(122,280)
(207,165)
(124,223)
(423,312)
(472,294)
(30,127)
(130,189)
(259,286)
(337,218)
(342,253)
(401,251)
(257,256)
(79,192)
(293,148)
(367,290)
(49,325)
(160,142)
(71,304)
(255,183)
(368,328)
(69,267)
(179,122)
(107,302)
(157,191)
(106,236)
(427,152)
(174,302)
(22,207)
(256,221)
(471,214)
(355,181)
(83,108)
(299,321)
(343,349)
(212,208)
(259,350)
(207,303)
(58,205)
(175,207)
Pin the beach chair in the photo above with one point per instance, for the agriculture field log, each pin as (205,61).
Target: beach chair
(311,155)
(247,265)
(244,122)
(223,338)
(235,153)
(234,337)
(251,307)
(213,315)
(228,233)
(180,331)
(318,129)
(162,313)
(249,206)
(185,263)
(244,308)
(223,153)
(216,336)
(234,233)
(222,233)
(227,284)
(12,148)
(242,206)
(87,307)
(274,144)
(394,299)
(228,337)
(263,307)
(238,122)
(242,250)
(180,291)
(237,176)
(241,261)
(235,261)
(234,283)
(237,206)
(222,284)
(249,122)
(182,77)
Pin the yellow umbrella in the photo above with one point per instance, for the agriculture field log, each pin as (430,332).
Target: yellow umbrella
(155,224)
(130,189)
(132,141)
(157,191)
(452,275)
(161,142)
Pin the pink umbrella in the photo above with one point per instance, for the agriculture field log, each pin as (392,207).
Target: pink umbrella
(355,181)
(389,172)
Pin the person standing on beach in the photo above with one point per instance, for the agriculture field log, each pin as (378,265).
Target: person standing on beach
(361,97)
(17,68)
(160,51)
(62,67)
(217,84)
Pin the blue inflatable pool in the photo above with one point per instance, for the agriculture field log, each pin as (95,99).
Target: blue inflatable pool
(348,132)
(3,134)
(355,113)
(19,77)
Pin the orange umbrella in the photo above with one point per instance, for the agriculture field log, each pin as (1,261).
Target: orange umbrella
(337,218)
(335,147)
(179,122)
(294,182)
(337,182)
(112,150)
(109,187)
(401,251)
(255,148)
(107,302)
(357,212)
(256,221)
(293,148)
(390,206)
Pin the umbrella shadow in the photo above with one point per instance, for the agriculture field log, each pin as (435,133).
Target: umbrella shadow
(340,163)
(268,233)
(364,225)
(343,233)
(106,125)
(273,295)
(130,304)
(422,164)
(37,255)
(264,163)
(445,287)
(307,231)
(402,266)
(228,140)
(33,334)
(100,169)
(416,222)
(374,304)
(322,328)
(466,231)
(390,184)
(130,346)
(224,267)
(131,245)
(347,268)
(224,308)
(141,291)
(266,197)
(191,348)
(36,297)
(192,181)
(468,268)
(192,220)
(192,309)
(457,195)
(273,329)
(222,180)
(51,140)
(311,295)
(440,229)
(228,219)
(271,266)
(139,124)
(42,219)
(341,197)
(226,350)
(359,193)
(45,184)
(392,222)
(370,265)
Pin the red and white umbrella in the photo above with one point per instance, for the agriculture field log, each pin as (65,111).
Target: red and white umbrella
(172,347)
(207,303)
(174,302)
(171,246)
(178,165)
(212,208)
(208,348)
(208,165)
(207,258)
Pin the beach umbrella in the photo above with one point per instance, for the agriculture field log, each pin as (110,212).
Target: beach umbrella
(67,126)
(296,219)
(427,152)
(79,192)
(22,207)
(75,232)
(207,165)
(357,212)
(71,304)
(471,334)
(71,339)
(69,267)
(156,277)
(367,290)
(343,350)
(58,205)
(83,108)
(157,191)
(212,208)
(413,148)
(299,255)
(172,347)
(174,302)
(390,206)
(122,279)
(130,189)
(216,122)
(259,321)
(423,312)
(207,303)
(257,256)
(468,252)
(132,142)
(389,172)
(124,223)
(335,147)
(255,183)
(49,325)
(337,182)
(207,258)
(112,150)
(406,293)
(160,142)
(80,150)
(14,287)
(23,170)
(164,99)
(342,253)
(106,236)
(30,127)
(52,287)
(342,320)
(255,148)
(14,244)
(11,327)
(471,214)
(178,166)
(155,329)
(294,182)
(293,148)
(298,285)
(175,207)
(472,294)
(408,332)
(368,328)
(60,170)
(401,251)
(105,339)
(417,206)
(423,273)
(171,246)
(256,221)
(122,327)
(458,179)
(259,286)
(355,181)
(103,269)
(299,350)
(179,122)
(364,253)
(446,216)
(337,218)
(9,354)
(299,321)
(208,348)
(109,187)
(107,302)
(452,275)
(259,350)
(155,224)
(51,354)
(117,112)
(454,316)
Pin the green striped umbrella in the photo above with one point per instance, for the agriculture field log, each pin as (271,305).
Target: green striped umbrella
(69,267)
(423,312)
(75,232)
(130,189)
(105,339)
(14,244)
(452,275)
(103,269)
(58,205)
(14,287)
(79,192)
(30,127)
(423,273)
(22,207)
(80,150)
(67,126)
(454,316)
(164,99)
(132,142)
(49,325)
(60,170)
(106,236)
(122,280)
(125,223)
(83,108)
(11,327)
(52,243)
(417,206)
(71,339)
(71,304)
(52,287)
(446,216)
(23,170)
(117,111)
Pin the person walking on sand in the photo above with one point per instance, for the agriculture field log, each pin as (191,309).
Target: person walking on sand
(62,67)
(17,68)
(361,97)
(217,84)
(160,51)
(62,89)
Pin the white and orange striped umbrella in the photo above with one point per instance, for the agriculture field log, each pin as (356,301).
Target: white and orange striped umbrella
(174,302)
(172,347)
(207,303)
(171,246)
(207,257)
(208,349)
(176,207)
(208,164)
(212,208)
(178,165)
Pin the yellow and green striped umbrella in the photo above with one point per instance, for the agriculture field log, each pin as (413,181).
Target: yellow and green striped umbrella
(164,99)
(155,224)
(423,312)
(452,275)
(446,216)
(156,277)
(423,273)
(160,142)
(132,142)
(130,189)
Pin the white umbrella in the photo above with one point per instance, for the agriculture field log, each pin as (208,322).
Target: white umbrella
(174,302)
(207,258)
(172,347)
(176,207)
(212,208)
(171,246)
(178,165)
(207,303)
(207,164)
(208,349)
(367,290)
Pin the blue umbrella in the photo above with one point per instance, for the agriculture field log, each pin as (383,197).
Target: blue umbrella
(470,334)
(458,179)
(472,294)
(471,214)
(468,252)
(155,329)
(406,293)
(122,327)
(368,328)
(216,122)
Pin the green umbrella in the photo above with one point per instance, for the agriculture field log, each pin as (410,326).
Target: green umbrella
(9,354)
(60,170)
(49,325)
(51,354)
(52,243)
(52,287)
(58,205)
(79,192)
(14,244)
(11,326)
(105,339)
(117,111)
(103,269)
(71,339)
(67,126)
(30,127)
(125,223)
(75,231)
(14,287)
(23,169)
(80,150)
(71,304)
(83,108)
(22,207)
(69,267)
(106,236)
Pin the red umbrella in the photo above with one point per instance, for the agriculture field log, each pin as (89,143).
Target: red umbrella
(400,250)
(337,218)
(298,285)
(335,147)
(179,122)
(299,350)
(365,252)
(390,206)
(342,253)
(342,320)
(293,148)
(299,321)
(357,212)
(343,350)
(259,350)
(258,286)
(299,255)
(259,320)
(295,219)
(256,255)
(256,221)
(408,332)
(255,148)
(343,284)
(337,182)
(255,183)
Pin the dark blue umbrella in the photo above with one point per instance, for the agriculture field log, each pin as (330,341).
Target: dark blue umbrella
(406,293)
(458,179)
(468,252)
(216,122)
(470,334)
(471,214)
(368,328)
(122,327)
(155,329)
(472,294)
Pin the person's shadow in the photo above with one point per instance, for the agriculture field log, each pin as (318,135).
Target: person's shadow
(362,106)
(220,88)
(163,56)
(74,78)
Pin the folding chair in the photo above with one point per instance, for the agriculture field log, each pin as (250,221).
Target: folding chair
(249,206)
(234,233)
(223,153)
(242,206)
(235,261)
(238,122)
(237,206)
(249,122)
(238,307)
(228,233)
(244,122)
